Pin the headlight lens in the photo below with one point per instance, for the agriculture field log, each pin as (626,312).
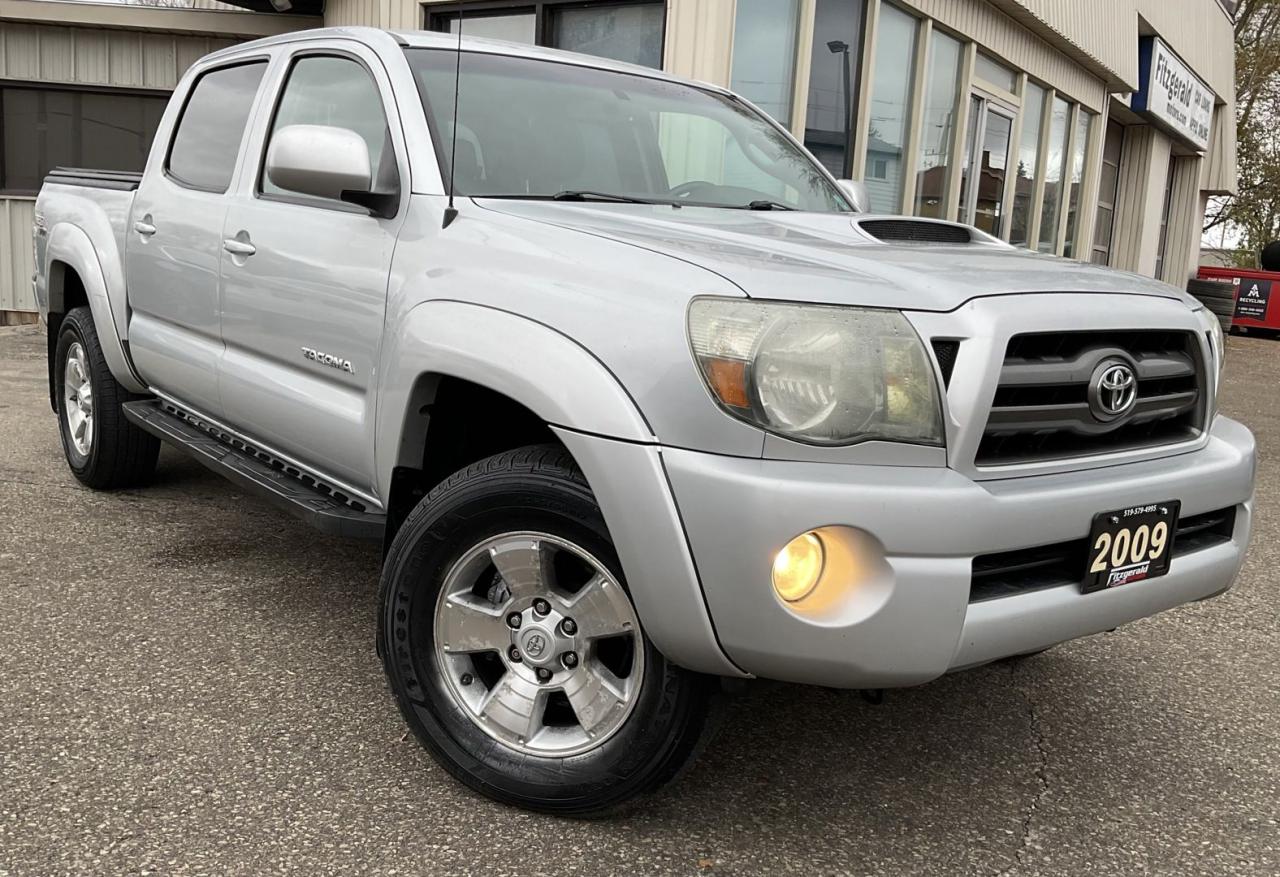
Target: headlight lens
(817,374)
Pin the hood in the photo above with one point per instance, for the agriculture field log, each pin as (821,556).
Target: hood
(827,258)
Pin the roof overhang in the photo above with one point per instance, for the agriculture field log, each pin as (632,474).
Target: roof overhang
(156,18)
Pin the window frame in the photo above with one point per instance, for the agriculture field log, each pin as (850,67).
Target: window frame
(277,99)
(437,16)
(265,61)
(82,88)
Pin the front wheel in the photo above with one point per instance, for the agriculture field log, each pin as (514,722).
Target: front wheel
(514,650)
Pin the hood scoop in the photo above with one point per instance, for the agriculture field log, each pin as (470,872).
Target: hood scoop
(912,231)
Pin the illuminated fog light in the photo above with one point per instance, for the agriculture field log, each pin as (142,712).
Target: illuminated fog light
(798,567)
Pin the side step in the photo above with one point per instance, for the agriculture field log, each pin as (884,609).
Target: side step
(324,508)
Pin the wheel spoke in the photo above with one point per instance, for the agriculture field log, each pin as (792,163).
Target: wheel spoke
(595,609)
(595,694)
(81,427)
(525,565)
(472,626)
(515,705)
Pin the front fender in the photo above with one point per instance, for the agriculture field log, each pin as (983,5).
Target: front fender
(69,245)
(568,388)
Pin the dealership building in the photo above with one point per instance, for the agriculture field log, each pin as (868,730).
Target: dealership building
(1091,129)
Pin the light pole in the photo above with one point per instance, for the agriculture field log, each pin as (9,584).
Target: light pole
(840,47)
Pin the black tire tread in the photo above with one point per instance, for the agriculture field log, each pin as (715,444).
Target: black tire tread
(123,455)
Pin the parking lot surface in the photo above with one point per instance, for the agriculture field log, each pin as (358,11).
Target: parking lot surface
(188,685)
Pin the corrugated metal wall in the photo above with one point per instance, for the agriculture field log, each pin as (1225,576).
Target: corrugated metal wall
(84,56)
(16,265)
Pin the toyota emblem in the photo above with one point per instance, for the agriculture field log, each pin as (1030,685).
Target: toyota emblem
(1113,391)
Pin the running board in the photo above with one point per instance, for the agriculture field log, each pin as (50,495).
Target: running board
(324,507)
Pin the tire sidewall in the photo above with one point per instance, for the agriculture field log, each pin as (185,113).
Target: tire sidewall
(421,556)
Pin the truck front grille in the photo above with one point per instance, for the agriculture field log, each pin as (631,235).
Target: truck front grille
(1050,566)
(1042,408)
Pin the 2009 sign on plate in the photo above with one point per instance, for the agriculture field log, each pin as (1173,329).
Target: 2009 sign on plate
(1130,545)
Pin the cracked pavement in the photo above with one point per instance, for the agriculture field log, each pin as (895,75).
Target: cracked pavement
(188,686)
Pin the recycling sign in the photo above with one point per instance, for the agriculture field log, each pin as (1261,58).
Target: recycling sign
(1252,299)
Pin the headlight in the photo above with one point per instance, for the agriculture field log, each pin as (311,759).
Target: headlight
(816,374)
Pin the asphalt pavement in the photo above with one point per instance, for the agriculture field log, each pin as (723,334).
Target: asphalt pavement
(188,685)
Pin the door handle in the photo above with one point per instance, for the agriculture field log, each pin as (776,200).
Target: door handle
(144,228)
(239,248)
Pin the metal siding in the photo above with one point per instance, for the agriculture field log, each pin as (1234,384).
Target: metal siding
(16,266)
(83,56)
(699,39)
(1186,221)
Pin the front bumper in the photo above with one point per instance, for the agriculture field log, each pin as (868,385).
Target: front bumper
(905,617)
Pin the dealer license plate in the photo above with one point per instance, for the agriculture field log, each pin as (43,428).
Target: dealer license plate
(1130,545)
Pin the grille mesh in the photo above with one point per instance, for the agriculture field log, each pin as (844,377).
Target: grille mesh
(909,231)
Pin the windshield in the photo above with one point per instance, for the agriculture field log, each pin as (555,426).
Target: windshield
(537,129)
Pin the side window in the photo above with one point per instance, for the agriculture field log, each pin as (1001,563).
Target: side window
(207,141)
(338,92)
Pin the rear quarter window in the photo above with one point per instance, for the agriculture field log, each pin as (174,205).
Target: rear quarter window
(207,139)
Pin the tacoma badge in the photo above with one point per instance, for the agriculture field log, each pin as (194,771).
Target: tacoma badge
(328,359)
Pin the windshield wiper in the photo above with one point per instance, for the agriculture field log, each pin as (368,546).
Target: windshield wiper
(573,195)
(765,204)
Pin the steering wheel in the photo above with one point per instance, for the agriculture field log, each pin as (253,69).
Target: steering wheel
(686,190)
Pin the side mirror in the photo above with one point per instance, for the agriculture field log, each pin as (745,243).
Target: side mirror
(321,161)
(856,192)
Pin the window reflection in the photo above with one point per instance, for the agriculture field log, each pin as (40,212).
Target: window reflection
(764,54)
(890,106)
(833,82)
(1077,180)
(623,33)
(517,28)
(1033,104)
(938,135)
(1055,171)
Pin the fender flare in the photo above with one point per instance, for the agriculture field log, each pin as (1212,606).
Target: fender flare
(563,384)
(590,411)
(71,246)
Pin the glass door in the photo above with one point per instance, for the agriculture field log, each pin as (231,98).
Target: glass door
(986,150)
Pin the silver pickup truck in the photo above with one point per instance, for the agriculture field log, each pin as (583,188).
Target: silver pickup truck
(649,405)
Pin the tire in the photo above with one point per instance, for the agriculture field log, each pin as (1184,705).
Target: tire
(1218,297)
(103,449)
(530,513)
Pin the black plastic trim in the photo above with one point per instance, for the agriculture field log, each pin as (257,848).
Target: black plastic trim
(282,484)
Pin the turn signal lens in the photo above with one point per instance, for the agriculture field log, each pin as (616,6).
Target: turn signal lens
(798,567)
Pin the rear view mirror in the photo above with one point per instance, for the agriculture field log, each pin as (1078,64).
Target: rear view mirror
(321,161)
(856,192)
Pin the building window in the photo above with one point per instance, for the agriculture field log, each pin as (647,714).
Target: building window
(1055,173)
(892,75)
(994,73)
(878,169)
(630,32)
(764,55)
(43,128)
(1084,125)
(834,69)
(1108,187)
(1163,245)
(1025,173)
(937,139)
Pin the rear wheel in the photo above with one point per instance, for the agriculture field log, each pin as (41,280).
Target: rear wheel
(514,650)
(103,449)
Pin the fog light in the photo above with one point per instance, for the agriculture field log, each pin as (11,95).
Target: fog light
(798,567)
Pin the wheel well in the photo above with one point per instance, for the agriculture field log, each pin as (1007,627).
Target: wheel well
(66,291)
(451,424)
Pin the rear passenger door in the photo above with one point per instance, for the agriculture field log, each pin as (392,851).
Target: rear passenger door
(174,237)
(303,298)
